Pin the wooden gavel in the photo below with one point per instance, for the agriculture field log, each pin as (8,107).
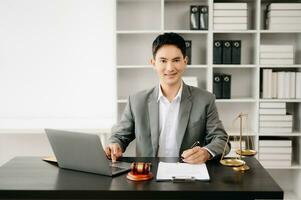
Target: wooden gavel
(140,168)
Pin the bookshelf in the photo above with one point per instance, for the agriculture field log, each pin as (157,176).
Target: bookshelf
(140,21)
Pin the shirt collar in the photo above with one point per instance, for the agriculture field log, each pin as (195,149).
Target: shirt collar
(178,96)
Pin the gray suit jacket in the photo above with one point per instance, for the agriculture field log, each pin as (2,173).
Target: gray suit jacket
(198,120)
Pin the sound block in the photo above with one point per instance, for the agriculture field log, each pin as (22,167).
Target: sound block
(139,177)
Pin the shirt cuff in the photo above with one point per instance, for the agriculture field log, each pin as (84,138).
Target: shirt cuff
(211,153)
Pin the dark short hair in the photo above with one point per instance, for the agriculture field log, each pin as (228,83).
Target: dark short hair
(169,39)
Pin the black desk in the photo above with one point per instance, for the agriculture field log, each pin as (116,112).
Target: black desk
(32,178)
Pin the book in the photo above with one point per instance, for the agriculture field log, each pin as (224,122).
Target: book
(226,49)
(226,86)
(284,6)
(230,13)
(188,44)
(275,124)
(283,150)
(274,85)
(277,48)
(194,17)
(292,85)
(271,156)
(280,130)
(281,85)
(275,143)
(291,27)
(269,111)
(203,17)
(230,6)
(272,105)
(217,85)
(190,80)
(284,13)
(298,85)
(286,85)
(267,84)
(283,20)
(235,51)
(230,26)
(281,61)
(275,117)
(217,52)
(277,55)
(230,20)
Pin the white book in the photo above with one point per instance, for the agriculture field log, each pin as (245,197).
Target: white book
(276,163)
(190,80)
(283,150)
(277,48)
(287,85)
(275,143)
(276,55)
(272,105)
(275,117)
(279,130)
(230,26)
(284,13)
(292,85)
(230,20)
(298,85)
(230,6)
(272,111)
(275,124)
(230,13)
(280,85)
(271,156)
(281,61)
(274,84)
(267,84)
(284,20)
(291,27)
(284,6)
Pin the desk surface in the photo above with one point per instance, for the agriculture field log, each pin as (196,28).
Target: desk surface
(30,177)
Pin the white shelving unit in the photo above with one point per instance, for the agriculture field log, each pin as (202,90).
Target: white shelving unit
(140,21)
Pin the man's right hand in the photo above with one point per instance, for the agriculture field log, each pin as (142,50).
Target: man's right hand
(113,151)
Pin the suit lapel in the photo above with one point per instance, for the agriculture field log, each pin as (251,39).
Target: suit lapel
(184,114)
(153,111)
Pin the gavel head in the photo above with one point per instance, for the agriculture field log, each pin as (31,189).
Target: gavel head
(140,168)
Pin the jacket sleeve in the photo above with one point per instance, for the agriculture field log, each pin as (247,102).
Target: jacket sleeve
(123,131)
(216,136)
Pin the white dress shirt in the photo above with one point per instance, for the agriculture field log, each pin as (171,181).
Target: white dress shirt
(168,122)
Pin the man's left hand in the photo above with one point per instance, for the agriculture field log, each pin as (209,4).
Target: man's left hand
(196,155)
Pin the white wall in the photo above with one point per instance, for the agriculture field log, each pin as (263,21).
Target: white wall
(57,69)
(57,62)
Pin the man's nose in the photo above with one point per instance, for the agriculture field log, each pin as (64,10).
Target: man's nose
(169,66)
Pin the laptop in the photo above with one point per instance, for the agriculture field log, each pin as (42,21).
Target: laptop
(83,152)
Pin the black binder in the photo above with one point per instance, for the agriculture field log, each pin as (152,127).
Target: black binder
(203,17)
(226,86)
(217,85)
(226,52)
(188,50)
(236,51)
(194,17)
(217,52)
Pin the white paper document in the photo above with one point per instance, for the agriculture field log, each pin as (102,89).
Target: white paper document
(182,171)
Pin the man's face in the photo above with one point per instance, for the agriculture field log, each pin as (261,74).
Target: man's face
(169,64)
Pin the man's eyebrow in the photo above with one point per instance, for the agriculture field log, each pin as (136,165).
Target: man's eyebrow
(162,58)
(176,58)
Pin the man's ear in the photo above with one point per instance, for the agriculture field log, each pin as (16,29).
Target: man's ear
(152,62)
(186,60)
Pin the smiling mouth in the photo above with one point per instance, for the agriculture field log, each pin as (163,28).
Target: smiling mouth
(170,75)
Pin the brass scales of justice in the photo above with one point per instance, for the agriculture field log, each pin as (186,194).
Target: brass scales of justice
(236,162)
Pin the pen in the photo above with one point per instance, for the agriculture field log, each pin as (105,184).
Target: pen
(196,143)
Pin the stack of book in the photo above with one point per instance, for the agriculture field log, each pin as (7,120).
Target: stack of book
(190,80)
(230,16)
(222,86)
(281,85)
(283,16)
(276,54)
(273,118)
(235,146)
(275,153)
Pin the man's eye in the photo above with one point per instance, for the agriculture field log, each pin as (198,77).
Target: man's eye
(162,61)
(176,61)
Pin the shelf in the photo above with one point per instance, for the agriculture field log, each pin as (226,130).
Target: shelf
(238,100)
(293,134)
(279,31)
(235,31)
(234,66)
(187,31)
(139,32)
(280,66)
(281,100)
(196,66)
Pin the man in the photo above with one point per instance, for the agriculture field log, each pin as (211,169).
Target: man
(169,118)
